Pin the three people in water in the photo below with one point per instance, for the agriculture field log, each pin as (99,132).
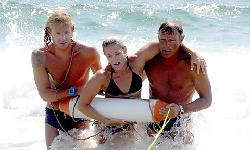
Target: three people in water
(61,69)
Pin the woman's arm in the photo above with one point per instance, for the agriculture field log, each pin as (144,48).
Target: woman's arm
(196,59)
(87,94)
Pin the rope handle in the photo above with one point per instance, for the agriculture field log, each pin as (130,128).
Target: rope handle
(158,134)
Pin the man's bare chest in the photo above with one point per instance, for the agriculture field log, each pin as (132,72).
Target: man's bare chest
(76,68)
(173,77)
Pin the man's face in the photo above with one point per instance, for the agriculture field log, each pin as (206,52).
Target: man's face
(62,35)
(169,43)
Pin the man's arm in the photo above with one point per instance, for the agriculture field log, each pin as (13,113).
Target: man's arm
(150,50)
(146,53)
(96,64)
(42,80)
(203,88)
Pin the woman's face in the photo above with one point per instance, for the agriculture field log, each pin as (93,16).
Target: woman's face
(116,56)
(62,35)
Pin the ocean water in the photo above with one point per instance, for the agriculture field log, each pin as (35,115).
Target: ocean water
(219,30)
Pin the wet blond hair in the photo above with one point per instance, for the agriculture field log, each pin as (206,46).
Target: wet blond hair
(58,16)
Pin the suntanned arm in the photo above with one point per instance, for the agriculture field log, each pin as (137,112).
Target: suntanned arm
(196,58)
(42,81)
(146,53)
(150,50)
(186,49)
(96,64)
(88,93)
(203,88)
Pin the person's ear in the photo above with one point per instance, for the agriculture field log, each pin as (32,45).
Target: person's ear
(158,36)
(182,37)
(124,48)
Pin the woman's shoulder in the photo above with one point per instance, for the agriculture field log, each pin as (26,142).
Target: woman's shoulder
(101,75)
(132,60)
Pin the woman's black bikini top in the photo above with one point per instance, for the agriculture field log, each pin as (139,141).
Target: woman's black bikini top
(136,85)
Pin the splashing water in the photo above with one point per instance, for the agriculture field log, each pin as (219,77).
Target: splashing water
(179,137)
(219,30)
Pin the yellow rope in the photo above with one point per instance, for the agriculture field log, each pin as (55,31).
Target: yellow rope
(158,134)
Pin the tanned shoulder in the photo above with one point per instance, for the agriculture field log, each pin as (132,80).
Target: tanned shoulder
(184,56)
(102,73)
(102,76)
(132,58)
(149,45)
(87,50)
(37,58)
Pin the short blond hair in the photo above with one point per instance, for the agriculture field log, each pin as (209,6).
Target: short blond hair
(58,16)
